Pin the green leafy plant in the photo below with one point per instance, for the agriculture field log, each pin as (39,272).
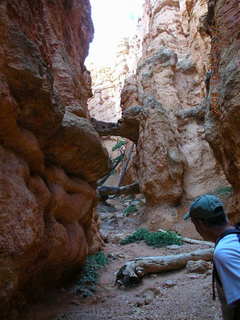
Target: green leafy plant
(89,276)
(119,145)
(224,190)
(130,209)
(154,239)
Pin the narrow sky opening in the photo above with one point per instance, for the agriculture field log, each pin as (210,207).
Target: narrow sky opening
(113,20)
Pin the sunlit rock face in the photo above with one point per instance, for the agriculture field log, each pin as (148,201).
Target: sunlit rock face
(174,56)
(172,70)
(170,59)
(50,155)
(160,161)
(223,118)
(108,80)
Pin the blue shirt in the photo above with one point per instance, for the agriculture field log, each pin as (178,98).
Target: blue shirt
(227,261)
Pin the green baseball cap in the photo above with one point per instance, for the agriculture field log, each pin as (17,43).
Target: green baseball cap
(204,207)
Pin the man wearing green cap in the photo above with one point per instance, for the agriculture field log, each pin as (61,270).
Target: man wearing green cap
(209,219)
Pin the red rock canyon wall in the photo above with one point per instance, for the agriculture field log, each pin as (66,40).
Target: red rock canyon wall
(50,155)
(223,113)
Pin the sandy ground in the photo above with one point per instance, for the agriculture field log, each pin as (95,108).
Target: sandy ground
(177,295)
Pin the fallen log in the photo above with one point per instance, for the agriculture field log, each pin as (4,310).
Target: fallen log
(125,166)
(133,271)
(126,127)
(104,179)
(105,191)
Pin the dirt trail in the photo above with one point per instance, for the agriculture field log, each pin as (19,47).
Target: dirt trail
(174,295)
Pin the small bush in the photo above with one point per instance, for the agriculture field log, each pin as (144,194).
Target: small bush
(118,145)
(130,209)
(154,239)
(224,190)
(88,279)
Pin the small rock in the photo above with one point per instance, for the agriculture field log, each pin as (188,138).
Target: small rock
(147,296)
(118,237)
(119,207)
(104,234)
(193,276)
(173,247)
(199,266)
(139,302)
(111,256)
(169,283)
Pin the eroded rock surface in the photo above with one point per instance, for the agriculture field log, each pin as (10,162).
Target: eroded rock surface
(222,121)
(160,161)
(173,69)
(50,154)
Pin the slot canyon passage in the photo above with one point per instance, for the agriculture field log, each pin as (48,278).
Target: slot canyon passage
(90,155)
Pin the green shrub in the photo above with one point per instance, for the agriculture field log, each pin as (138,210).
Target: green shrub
(118,145)
(154,239)
(130,209)
(88,278)
(224,190)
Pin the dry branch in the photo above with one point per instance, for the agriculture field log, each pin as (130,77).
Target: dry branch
(193,241)
(125,166)
(133,271)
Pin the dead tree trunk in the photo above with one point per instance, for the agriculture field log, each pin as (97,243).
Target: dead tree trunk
(106,191)
(133,271)
(104,179)
(127,126)
(125,166)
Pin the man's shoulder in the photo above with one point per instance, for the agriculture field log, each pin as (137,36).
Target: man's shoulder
(227,246)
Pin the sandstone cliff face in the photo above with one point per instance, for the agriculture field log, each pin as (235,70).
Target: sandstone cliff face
(166,84)
(47,182)
(108,81)
(160,161)
(172,69)
(222,120)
